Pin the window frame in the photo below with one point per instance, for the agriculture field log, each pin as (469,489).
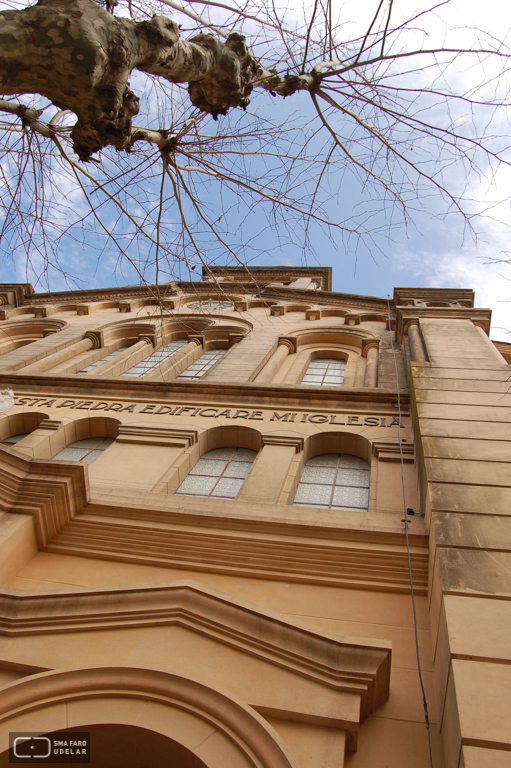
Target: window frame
(223,350)
(154,352)
(337,462)
(219,474)
(328,360)
(93,449)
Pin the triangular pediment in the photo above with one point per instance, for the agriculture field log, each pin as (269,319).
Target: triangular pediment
(280,666)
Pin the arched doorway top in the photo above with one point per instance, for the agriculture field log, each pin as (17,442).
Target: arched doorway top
(218,728)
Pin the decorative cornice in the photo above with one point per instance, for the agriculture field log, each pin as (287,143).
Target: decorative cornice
(171,438)
(344,663)
(50,424)
(253,554)
(196,338)
(286,440)
(97,338)
(332,300)
(254,275)
(235,338)
(386,451)
(237,395)
(19,292)
(368,344)
(464,296)
(101,294)
(288,341)
(410,315)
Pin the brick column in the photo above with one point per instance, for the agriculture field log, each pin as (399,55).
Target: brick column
(371,372)
(272,366)
(360,372)
(170,367)
(132,356)
(105,368)
(417,351)
(90,341)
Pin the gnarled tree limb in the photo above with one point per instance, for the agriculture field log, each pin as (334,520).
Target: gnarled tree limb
(80,57)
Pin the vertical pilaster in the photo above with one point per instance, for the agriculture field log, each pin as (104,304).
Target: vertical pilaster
(50,361)
(371,371)
(269,471)
(463,420)
(175,364)
(360,372)
(417,350)
(285,346)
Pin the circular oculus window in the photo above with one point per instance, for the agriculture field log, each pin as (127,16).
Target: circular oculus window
(210,305)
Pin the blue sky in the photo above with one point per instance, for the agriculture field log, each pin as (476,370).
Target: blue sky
(432,251)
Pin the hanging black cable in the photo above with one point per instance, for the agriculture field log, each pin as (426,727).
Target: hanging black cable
(406,524)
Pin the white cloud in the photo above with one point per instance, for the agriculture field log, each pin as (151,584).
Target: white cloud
(467,267)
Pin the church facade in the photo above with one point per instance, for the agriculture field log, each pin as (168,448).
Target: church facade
(251,522)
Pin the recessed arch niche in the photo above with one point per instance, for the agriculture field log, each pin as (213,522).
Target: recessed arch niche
(214,726)
(18,334)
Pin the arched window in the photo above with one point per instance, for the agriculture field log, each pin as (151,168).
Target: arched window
(18,426)
(325,372)
(334,481)
(84,450)
(203,364)
(219,473)
(156,359)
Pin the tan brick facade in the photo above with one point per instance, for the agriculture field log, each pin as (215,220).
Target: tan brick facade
(252,606)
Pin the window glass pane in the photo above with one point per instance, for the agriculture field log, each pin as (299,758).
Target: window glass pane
(195,485)
(15,438)
(334,480)
(156,359)
(355,462)
(227,487)
(91,456)
(209,467)
(325,460)
(201,366)
(102,360)
(88,443)
(218,473)
(220,453)
(244,454)
(355,477)
(237,469)
(327,372)
(313,495)
(351,497)
(210,305)
(84,450)
(71,454)
(323,475)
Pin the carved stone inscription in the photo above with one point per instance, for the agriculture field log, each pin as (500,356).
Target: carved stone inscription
(243,414)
